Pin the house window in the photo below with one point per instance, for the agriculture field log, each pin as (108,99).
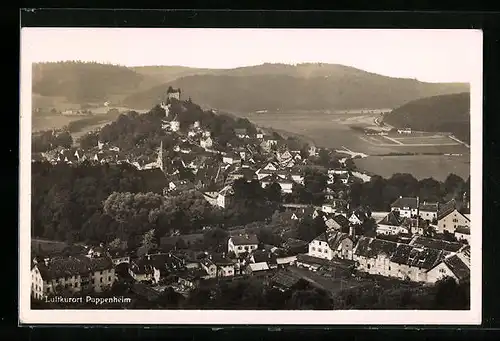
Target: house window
(368,266)
(109,279)
(246,247)
(326,251)
(240,248)
(100,279)
(313,248)
(389,268)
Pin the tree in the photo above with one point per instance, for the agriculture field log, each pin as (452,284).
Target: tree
(273,192)
(451,296)
(369,227)
(453,186)
(89,140)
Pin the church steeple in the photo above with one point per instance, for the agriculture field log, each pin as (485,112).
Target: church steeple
(159,161)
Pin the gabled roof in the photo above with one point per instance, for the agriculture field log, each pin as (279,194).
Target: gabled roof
(458,267)
(285,279)
(372,247)
(447,208)
(72,266)
(260,256)
(391,219)
(417,257)
(429,207)
(341,220)
(405,202)
(336,238)
(250,239)
(438,244)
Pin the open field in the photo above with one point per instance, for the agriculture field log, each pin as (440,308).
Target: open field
(334,130)
(420,166)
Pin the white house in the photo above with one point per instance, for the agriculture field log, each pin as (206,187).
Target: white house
(175,125)
(428,211)
(450,220)
(224,196)
(206,142)
(404,131)
(319,248)
(391,224)
(74,274)
(454,266)
(407,207)
(143,270)
(332,244)
(243,243)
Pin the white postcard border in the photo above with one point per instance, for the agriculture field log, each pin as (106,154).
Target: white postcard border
(241,317)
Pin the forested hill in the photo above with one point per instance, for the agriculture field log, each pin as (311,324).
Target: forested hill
(302,87)
(81,82)
(449,113)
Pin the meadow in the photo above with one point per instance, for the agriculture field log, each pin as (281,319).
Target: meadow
(420,166)
(334,130)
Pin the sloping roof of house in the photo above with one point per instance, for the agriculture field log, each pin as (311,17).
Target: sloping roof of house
(303,258)
(429,207)
(260,256)
(391,219)
(285,279)
(165,261)
(250,239)
(336,238)
(447,208)
(341,220)
(405,202)
(372,247)
(262,266)
(72,266)
(458,267)
(438,244)
(417,257)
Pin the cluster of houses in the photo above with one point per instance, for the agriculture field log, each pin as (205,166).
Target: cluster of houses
(417,258)
(422,259)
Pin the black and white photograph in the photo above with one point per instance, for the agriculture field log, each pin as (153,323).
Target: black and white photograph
(250,176)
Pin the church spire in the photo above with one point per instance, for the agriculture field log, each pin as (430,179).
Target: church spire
(159,162)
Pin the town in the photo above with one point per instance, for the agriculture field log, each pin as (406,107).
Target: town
(210,211)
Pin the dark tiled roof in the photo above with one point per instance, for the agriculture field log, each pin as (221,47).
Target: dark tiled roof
(447,208)
(303,258)
(260,256)
(438,244)
(341,220)
(372,247)
(391,219)
(334,239)
(245,240)
(458,267)
(417,257)
(429,207)
(405,202)
(285,279)
(73,266)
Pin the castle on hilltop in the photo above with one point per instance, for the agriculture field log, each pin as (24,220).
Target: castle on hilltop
(171,93)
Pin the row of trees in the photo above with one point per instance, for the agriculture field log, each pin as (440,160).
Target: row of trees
(48,140)
(379,193)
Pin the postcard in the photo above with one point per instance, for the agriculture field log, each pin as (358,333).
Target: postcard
(250,176)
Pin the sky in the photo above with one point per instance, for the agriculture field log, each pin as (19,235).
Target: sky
(426,55)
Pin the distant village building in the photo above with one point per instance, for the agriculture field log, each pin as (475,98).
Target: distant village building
(449,218)
(242,244)
(73,274)
(404,131)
